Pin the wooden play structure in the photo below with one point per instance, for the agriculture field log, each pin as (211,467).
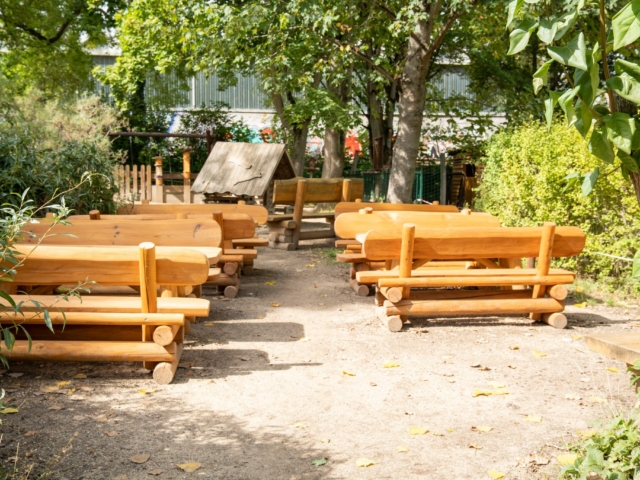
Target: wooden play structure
(285,230)
(148,327)
(501,287)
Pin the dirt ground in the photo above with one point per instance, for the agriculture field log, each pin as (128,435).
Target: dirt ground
(265,390)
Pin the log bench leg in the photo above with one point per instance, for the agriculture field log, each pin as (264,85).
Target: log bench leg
(164,372)
(392,322)
(360,289)
(247,267)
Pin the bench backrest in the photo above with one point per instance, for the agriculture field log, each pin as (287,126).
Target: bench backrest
(348,207)
(64,264)
(235,225)
(256,212)
(470,243)
(174,233)
(350,225)
(317,190)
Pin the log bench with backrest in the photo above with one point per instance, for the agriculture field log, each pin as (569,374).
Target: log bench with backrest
(351,225)
(285,229)
(246,245)
(145,328)
(411,247)
(201,234)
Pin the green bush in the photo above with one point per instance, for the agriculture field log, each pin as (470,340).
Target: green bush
(523,184)
(47,147)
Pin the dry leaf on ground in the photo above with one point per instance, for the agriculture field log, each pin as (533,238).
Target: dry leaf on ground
(576,337)
(304,339)
(533,418)
(475,445)
(481,429)
(365,462)
(111,433)
(30,433)
(567,458)
(146,391)
(495,474)
(390,364)
(351,374)
(478,392)
(580,305)
(300,425)
(402,449)
(325,440)
(189,467)
(514,347)
(55,407)
(613,369)
(539,354)
(7,411)
(79,376)
(208,324)
(418,431)
(270,283)
(155,472)
(275,304)
(141,458)
(63,384)
(49,389)
(310,265)
(500,391)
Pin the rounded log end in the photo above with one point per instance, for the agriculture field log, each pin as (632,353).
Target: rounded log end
(394,294)
(362,267)
(230,268)
(363,291)
(247,270)
(559,292)
(164,372)
(230,291)
(163,335)
(394,323)
(557,320)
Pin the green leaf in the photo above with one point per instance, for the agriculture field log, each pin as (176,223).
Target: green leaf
(566,103)
(512,10)
(565,22)
(628,162)
(8,298)
(519,36)
(590,180)
(541,77)
(572,179)
(584,118)
(620,130)
(600,146)
(627,82)
(47,321)
(635,272)
(9,338)
(573,53)
(549,105)
(548,29)
(626,25)
(319,462)
(588,81)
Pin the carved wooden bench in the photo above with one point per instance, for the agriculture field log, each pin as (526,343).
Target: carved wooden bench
(285,230)
(147,328)
(413,247)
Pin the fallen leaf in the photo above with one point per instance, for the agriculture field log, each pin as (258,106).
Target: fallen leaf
(478,392)
(364,462)
(533,418)
(80,375)
(120,477)
(310,265)
(111,433)
(154,472)
(587,433)
(598,400)
(500,391)
(475,445)
(63,384)
(275,304)
(475,365)
(485,368)
(208,324)
(318,462)
(55,407)
(299,425)
(418,431)
(271,283)
(30,433)
(304,339)
(325,440)
(576,337)
(613,369)
(567,458)
(141,458)
(189,467)
(146,391)
(496,384)
(101,419)
(495,474)
(512,366)
(514,347)
(351,374)
(50,389)
(482,429)
(580,305)
(7,411)
(539,354)
(438,434)
(390,364)
(402,449)
(325,295)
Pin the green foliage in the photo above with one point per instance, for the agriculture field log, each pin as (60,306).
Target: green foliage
(47,147)
(524,183)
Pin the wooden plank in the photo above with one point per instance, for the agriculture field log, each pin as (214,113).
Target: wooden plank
(354,207)
(195,307)
(313,234)
(251,242)
(619,346)
(257,213)
(90,351)
(475,306)
(107,265)
(471,243)
(318,190)
(461,281)
(375,275)
(93,318)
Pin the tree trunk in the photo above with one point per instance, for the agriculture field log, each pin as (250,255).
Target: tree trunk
(625,106)
(413,90)
(392,98)
(333,153)
(299,150)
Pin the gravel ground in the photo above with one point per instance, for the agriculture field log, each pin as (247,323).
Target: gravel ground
(265,390)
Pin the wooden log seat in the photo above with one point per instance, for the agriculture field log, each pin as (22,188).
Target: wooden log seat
(256,212)
(285,230)
(621,346)
(148,328)
(539,291)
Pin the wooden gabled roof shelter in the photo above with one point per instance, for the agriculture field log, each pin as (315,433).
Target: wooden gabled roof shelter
(243,169)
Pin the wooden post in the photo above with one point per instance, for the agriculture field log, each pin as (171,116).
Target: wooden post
(298,210)
(159,180)
(94,215)
(135,183)
(209,141)
(148,292)
(346,190)
(186,174)
(218,217)
(443,179)
(544,261)
(148,184)
(406,255)
(127,183)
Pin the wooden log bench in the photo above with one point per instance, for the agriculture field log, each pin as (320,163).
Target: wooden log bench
(148,328)
(350,225)
(522,290)
(285,230)
(621,346)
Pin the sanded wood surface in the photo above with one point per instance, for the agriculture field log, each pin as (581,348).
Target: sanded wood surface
(256,212)
(349,207)
(107,265)
(463,281)
(471,243)
(196,307)
(182,233)
(251,242)
(93,318)
(318,190)
(619,346)
(350,225)
(476,306)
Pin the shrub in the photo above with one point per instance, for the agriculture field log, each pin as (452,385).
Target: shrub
(523,184)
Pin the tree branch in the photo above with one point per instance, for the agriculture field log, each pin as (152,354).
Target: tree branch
(61,31)
(361,56)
